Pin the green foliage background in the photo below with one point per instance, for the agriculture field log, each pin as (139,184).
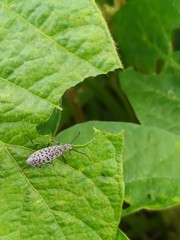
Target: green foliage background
(61,55)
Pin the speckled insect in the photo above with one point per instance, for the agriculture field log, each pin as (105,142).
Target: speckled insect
(48,154)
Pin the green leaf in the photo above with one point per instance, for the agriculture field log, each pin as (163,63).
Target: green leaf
(151,163)
(155,99)
(143,29)
(47,47)
(81,199)
(121,235)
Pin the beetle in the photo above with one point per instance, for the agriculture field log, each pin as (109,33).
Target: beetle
(48,154)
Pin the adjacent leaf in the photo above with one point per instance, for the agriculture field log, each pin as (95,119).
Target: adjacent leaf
(143,29)
(155,99)
(151,163)
(81,199)
(47,47)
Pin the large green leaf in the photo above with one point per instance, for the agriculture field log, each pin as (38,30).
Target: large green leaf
(143,29)
(151,163)
(155,99)
(47,47)
(81,199)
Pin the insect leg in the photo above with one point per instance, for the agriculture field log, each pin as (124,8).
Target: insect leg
(64,159)
(35,144)
(24,168)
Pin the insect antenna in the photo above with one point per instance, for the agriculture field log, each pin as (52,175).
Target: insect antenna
(81,153)
(75,138)
(77,150)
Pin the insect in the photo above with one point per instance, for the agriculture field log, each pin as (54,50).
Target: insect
(48,154)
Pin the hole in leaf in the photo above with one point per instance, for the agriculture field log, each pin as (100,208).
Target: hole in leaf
(126,205)
(176,40)
(149,196)
(159,65)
